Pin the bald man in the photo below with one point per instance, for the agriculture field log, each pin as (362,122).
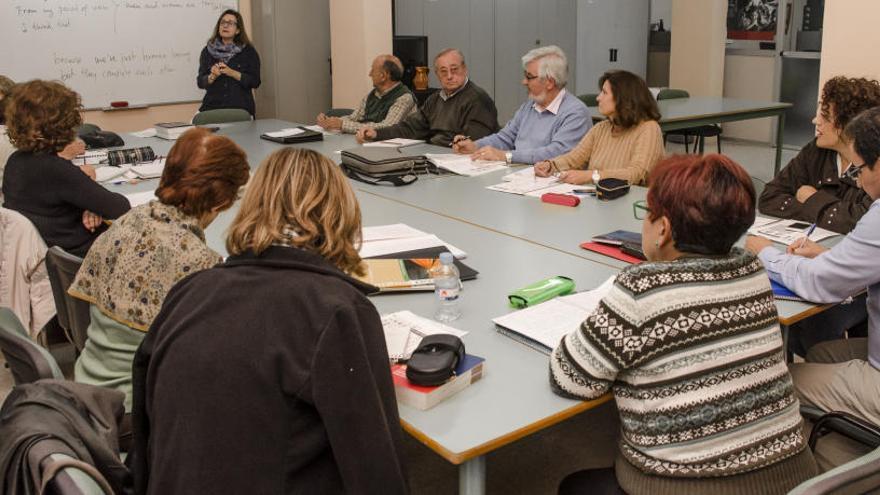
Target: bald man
(388,103)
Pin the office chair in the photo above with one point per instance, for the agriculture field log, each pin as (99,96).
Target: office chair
(26,359)
(699,132)
(73,313)
(221,116)
(589,99)
(842,478)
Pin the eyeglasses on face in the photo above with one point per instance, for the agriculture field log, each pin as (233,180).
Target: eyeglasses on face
(451,71)
(529,77)
(640,209)
(853,171)
(228,23)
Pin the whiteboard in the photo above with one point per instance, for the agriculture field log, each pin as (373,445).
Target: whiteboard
(140,51)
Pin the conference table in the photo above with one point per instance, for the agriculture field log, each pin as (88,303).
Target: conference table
(512,241)
(695,111)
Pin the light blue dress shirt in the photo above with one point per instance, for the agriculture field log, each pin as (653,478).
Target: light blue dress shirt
(534,136)
(845,269)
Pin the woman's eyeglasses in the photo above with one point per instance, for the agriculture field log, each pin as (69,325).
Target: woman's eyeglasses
(228,23)
(640,209)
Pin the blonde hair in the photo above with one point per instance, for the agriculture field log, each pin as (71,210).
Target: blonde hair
(302,190)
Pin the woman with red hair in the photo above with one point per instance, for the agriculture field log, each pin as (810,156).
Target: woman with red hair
(690,346)
(130,268)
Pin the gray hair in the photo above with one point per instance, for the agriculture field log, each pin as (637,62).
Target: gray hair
(447,51)
(552,63)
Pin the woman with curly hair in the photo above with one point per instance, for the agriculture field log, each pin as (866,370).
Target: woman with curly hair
(813,187)
(275,358)
(63,203)
(626,145)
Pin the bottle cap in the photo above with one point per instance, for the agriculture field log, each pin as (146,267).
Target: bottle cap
(446,258)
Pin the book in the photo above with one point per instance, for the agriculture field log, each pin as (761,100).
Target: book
(404,331)
(784,293)
(618,237)
(409,271)
(171,130)
(543,326)
(468,371)
(609,250)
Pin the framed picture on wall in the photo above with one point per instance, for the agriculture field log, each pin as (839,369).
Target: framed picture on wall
(752,19)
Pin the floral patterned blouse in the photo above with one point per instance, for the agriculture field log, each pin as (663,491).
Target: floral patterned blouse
(131,267)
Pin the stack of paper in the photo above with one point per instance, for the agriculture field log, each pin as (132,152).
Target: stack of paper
(463,165)
(786,231)
(542,327)
(393,143)
(140,198)
(398,238)
(525,182)
(404,331)
(109,173)
(148,170)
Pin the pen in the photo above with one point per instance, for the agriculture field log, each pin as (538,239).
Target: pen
(810,231)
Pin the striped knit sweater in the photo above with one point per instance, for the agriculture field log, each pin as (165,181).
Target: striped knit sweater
(629,154)
(693,353)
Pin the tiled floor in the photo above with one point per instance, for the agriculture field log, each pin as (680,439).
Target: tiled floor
(537,463)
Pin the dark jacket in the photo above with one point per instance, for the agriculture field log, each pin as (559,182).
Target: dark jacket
(53,193)
(470,112)
(838,203)
(58,416)
(226,92)
(267,374)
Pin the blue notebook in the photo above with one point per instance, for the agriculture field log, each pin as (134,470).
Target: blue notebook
(782,292)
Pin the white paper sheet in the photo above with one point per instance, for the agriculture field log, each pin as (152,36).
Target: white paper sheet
(780,231)
(393,143)
(146,133)
(149,170)
(552,320)
(463,165)
(391,246)
(290,131)
(140,198)
(404,331)
(109,174)
(392,231)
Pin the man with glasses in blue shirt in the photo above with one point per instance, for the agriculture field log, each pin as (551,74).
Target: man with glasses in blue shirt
(840,375)
(550,123)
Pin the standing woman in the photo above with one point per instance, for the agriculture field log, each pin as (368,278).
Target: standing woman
(626,145)
(229,66)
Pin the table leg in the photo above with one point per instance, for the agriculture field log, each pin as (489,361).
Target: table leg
(780,126)
(472,477)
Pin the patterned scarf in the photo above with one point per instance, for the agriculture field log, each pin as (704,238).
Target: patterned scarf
(222,52)
(131,267)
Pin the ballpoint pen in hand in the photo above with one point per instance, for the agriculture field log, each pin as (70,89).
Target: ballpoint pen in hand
(809,231)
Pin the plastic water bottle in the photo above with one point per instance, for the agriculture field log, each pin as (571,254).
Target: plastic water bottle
(447,287)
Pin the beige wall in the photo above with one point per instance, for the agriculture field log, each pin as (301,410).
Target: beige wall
(750,78)
(696,61)
(142,118)
(850,39)
(359,30)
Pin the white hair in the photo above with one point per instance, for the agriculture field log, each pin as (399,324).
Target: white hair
(552,63)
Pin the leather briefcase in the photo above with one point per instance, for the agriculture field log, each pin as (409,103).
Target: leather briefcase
(380,165)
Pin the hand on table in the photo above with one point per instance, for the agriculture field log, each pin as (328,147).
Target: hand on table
(365,134)
(488,153)
(329,123)
(809,249)
(576,177)
(462,144)
(544,168)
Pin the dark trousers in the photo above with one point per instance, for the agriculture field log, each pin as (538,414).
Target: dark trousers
(592,482)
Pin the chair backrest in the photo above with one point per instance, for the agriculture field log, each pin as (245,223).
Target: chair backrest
(221,116)
(589,99)
(670,93)
(27,360)
(73,313)
(845,476)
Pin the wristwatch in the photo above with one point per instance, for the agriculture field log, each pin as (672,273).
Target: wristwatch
(508,157)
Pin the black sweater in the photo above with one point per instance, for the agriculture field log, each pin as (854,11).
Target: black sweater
(470,112)
(226,92)
(53,193)
(267,374)
(838,203)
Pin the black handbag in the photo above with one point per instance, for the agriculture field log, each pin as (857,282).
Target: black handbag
(434,360)
(611,188)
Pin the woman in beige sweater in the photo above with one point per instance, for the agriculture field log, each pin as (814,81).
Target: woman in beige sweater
(626,145)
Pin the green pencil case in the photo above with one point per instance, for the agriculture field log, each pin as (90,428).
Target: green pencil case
(541,291)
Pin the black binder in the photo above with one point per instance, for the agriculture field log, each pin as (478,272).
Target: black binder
(306,136)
